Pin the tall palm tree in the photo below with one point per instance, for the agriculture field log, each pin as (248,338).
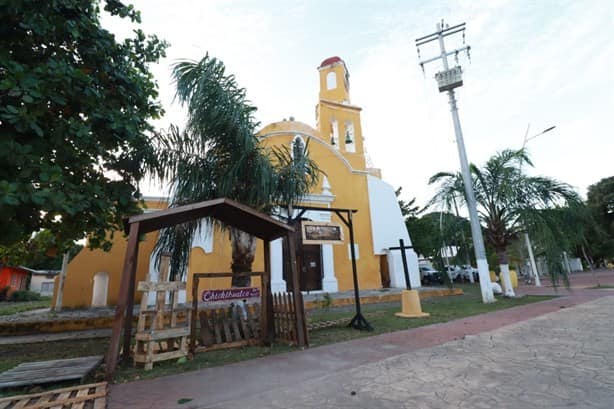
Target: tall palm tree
(219,155)
(509,201)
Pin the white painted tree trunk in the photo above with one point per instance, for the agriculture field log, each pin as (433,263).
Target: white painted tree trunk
(538,282)
(508,290)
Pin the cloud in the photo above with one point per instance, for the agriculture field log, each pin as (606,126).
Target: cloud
(545,63)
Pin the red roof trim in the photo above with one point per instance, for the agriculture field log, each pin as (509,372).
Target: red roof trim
(330,61)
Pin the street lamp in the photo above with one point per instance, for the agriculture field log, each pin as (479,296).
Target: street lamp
(527,139)
(526,235)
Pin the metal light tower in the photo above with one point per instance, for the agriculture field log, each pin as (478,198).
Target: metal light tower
(526,235)
(448,80)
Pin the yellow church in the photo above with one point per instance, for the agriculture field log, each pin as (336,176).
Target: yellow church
(337,145)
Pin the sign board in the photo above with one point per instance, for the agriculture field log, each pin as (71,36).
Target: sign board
(322,233)
(230,294)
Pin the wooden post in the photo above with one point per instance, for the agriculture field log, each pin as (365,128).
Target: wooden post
(359,321)
(264,314)
(122,301)
(130,309)
(194,316)
(58,298)
(299,308)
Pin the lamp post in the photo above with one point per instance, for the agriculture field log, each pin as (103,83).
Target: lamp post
(526,235)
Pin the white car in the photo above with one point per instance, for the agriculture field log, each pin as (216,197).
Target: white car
(430,276)
(467,271)
(454,272)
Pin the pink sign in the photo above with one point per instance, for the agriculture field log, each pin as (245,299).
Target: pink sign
(230,294)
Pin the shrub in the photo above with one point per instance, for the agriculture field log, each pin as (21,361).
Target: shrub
(4,293)
(25,295)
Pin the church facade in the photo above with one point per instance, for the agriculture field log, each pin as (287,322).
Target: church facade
(337,145)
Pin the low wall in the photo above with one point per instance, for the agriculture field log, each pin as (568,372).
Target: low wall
(87,323)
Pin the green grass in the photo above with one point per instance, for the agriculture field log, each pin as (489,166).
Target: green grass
(442,309)
(601,287)
(201,361)
(10,308)
(380,316)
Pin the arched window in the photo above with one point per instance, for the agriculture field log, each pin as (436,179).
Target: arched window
(334,133)
(349,137)
(100,289)
(331,80)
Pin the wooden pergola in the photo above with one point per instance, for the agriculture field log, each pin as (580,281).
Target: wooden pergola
(231,214)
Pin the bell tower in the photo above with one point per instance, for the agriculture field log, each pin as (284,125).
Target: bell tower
(338,120)
(334,80)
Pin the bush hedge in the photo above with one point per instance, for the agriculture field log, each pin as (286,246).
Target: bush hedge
(25,295)
(4,293)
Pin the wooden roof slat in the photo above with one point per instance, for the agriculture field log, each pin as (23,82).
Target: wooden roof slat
(227,211)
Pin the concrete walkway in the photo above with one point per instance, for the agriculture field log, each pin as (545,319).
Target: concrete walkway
(551,354)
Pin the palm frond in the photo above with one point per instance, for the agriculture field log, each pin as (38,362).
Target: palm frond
(219,155)
(509,201)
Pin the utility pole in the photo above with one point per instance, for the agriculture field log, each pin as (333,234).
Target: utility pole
(527,240)
(448,80)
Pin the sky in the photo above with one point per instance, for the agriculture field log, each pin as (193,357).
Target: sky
(534,64)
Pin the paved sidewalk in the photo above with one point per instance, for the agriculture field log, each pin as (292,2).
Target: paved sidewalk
(558,360)
(455,363)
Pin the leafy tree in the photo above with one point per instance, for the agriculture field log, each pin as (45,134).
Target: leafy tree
(36,253)
(600,201)
(74,111)
(432,230)
(508,202)
(219,155)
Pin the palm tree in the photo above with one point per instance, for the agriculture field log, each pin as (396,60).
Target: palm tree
(509,201)
(219,155)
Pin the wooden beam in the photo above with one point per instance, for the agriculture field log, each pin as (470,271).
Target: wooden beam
(299,308)
(161,286)
(194,315)
(226,274)
(130,306)
(120,310)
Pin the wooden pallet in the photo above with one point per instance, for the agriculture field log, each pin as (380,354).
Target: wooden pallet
(312,326)
(229,327)
(284,317)
(35,373)
(92,396)
(156,339)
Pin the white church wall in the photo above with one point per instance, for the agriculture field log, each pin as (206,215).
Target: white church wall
(388,227)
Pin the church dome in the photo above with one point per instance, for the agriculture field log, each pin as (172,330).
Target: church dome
(330,61)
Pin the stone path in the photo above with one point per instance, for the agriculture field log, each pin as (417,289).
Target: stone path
(560,360)
(548,354)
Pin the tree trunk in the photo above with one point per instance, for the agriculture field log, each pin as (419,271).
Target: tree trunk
(508,290)
(243,253)
(589,261)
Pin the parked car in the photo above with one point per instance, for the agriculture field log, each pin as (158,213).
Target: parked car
(454,272)
(429,276)
(467,271)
